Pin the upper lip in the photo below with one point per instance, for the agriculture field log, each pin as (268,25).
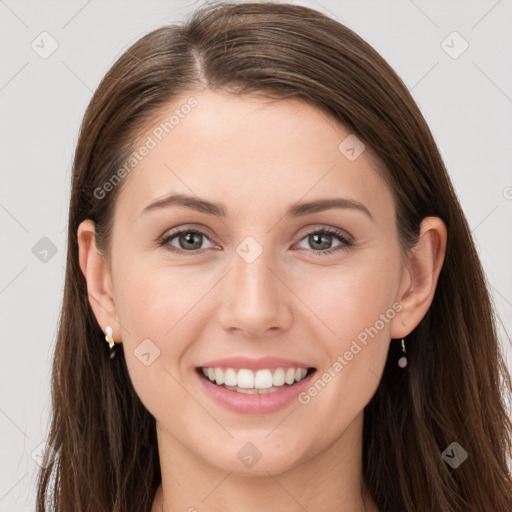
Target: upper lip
(254,364)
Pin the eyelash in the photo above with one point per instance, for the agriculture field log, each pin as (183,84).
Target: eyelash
(347,243)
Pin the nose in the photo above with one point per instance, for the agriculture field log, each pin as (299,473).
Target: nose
(255,299)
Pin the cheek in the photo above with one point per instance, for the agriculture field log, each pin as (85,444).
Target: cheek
(358,305)
(159,308)
(350,298)
(152,308)
(154,299)
(354,309)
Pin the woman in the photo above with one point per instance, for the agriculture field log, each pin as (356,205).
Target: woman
(263,231)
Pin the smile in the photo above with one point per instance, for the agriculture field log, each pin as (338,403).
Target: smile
(251,382)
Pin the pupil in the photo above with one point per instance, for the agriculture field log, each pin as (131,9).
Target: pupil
(320,236)
(189,238)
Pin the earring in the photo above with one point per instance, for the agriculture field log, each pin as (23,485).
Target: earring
(110,341)
(402,362)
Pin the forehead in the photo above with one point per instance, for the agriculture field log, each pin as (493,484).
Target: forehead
(243,150)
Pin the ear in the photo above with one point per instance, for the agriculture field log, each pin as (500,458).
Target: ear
(419,279)
(99,284)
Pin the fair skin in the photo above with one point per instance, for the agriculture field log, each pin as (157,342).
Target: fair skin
(258,160)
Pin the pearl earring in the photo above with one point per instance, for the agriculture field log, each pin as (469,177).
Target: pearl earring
(110,341)
(402,362)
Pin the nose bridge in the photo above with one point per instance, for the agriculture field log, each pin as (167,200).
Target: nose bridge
(254,300)
(251,276)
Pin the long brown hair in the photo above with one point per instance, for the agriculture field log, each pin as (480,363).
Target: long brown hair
(455,384)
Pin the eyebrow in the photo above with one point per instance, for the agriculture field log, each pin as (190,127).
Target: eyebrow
(219,210)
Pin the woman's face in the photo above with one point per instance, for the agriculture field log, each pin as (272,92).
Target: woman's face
(247,280)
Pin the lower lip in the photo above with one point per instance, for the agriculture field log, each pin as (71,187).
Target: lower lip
(244,403)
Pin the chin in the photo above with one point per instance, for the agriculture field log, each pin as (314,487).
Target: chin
(256,458)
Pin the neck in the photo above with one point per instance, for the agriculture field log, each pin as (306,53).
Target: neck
(331,480)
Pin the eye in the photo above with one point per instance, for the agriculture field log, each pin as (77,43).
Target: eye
(188,240)
(321,240)
(191,241)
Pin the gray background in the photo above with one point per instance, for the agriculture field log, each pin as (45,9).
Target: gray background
(467,102)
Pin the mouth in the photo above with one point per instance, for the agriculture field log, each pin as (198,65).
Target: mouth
(255,382)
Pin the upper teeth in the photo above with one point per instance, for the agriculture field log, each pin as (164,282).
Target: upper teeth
(248,379)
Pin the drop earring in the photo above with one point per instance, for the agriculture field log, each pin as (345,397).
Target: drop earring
(402,362)
(110,341)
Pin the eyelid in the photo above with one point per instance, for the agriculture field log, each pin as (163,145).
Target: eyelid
(314,228)
(199,228)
